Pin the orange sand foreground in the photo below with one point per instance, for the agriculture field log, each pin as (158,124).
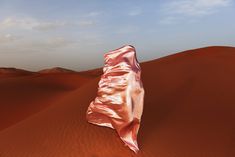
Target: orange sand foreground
(189,110)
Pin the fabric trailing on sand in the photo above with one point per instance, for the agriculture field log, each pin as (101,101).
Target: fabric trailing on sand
(120,96)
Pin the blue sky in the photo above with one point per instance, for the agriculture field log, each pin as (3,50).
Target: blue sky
(76,33)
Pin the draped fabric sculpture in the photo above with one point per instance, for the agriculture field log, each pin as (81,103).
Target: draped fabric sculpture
(120,96)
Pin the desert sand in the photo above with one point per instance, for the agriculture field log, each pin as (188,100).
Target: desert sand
(23,94)
(189,110)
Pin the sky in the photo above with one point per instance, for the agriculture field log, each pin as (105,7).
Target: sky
(75,34)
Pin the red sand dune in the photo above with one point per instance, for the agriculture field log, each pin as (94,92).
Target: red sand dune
(189,112)
(56,70)
(25,95)
(92,73)
(13,72)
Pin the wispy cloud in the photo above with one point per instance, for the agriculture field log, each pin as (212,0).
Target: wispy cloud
(24,34)
(169,20)
(27,45)
(25,23)
(135,11)
(6,38)
(58,42)
(94,14)
(46,26)
(86,23)
(50,43)
(28,23)
(196,7)
(176,9)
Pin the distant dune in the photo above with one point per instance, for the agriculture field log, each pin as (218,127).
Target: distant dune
(6,72)
(56,70)
(92,73)
(189,111)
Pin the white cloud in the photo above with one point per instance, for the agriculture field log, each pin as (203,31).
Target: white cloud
(86,23)
(52,43)
(196,7)
(27,45)
(177,9)
(58,42)
(23,35)
(169,20)
(25,23)
(46,26)
(28,23)
(93,14)
(135,12)
(6,38)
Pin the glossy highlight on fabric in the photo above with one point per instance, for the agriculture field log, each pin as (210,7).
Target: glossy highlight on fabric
(120,97)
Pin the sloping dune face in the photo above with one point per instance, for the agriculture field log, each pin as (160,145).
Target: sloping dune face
(189,111)
(25,95)
(13,72)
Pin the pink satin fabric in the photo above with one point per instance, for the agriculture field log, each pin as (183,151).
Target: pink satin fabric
(120,96)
